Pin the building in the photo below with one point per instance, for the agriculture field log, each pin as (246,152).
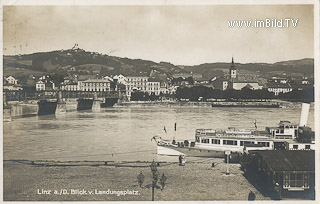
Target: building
(238,85)
(232,71)
(286,130)
(293,145)
(136,83)
(10,87)
(281,80)
(11,80)
(195,76)
(221,84)
(142,83)
(153,87)
(71,87)
(108,78)
(238,82)
(277,88)
(121,79)
(305,80)
(44,85)
(282,173)
(40,86)
(95,85)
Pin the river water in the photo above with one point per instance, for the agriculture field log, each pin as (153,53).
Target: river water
(124,133)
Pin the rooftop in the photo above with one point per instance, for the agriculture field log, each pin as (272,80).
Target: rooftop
(96,80)
(278,85)
(289,160)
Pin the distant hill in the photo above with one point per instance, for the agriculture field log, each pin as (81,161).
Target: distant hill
(85,62)
(303,66)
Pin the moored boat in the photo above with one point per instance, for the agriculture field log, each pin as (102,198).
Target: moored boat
(217,143)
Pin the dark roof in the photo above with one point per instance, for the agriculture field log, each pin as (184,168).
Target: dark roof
(289,160)
(278,85)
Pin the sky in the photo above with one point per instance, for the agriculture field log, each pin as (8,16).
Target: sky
(182,35)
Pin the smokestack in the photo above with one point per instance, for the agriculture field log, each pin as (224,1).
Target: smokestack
(304,114)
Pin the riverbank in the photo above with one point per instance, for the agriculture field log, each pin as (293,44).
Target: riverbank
(215,104)
(197,180)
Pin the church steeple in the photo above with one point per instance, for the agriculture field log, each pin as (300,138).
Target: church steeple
(232,71)
(232,64)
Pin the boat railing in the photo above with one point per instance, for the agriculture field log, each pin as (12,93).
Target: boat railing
(235,135)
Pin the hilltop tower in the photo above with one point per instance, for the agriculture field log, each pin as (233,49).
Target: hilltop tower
(232,71)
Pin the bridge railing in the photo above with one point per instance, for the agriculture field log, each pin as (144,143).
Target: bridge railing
(22,95)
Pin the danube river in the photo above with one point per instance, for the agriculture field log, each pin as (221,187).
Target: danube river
(124,133)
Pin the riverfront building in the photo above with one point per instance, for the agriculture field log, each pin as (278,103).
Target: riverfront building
(142,83)
(44,85)
(285,173)
(95,85)
(277,88)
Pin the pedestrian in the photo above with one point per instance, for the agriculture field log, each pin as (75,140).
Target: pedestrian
(251,196)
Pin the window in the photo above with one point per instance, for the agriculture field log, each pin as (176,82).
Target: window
(295,180)
(264,144)
(229,142)
(214,141)
(307,146)
(306,180)
(295,146)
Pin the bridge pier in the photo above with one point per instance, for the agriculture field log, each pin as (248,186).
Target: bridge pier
(96,105)
(61,105)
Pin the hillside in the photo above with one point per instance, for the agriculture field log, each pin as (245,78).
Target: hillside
(84,62)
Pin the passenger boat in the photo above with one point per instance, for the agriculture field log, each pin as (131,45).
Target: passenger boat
(217,143)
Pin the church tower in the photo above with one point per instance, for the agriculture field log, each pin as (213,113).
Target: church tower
(232,71)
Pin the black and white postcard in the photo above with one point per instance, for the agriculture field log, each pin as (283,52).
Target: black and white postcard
(160,101)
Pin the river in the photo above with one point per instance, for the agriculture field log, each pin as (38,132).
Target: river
(124,133)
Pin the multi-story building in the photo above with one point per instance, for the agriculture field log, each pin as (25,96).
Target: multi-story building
(136,83)
(153,87)
(142,83)
(70,87)
(277,88)
(97,85)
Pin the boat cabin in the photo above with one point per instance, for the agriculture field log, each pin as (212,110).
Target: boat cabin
(294,145)
(285,131)
(233,140)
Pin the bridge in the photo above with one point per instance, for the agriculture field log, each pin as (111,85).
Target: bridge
(23,103)
(21,95)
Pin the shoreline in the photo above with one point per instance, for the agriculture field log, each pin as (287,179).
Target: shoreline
(219,104)
(197,180)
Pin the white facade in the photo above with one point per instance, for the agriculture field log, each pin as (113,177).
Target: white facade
(277,90)
(299,146)
(233,73)
(135,83)
(98,85)
(153,87)
(40,86)
(285,131)
(71,87)
(121,79)
(240,85)
(11,80)
(45,86)
(224,85)
(108,78)
(168,90)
